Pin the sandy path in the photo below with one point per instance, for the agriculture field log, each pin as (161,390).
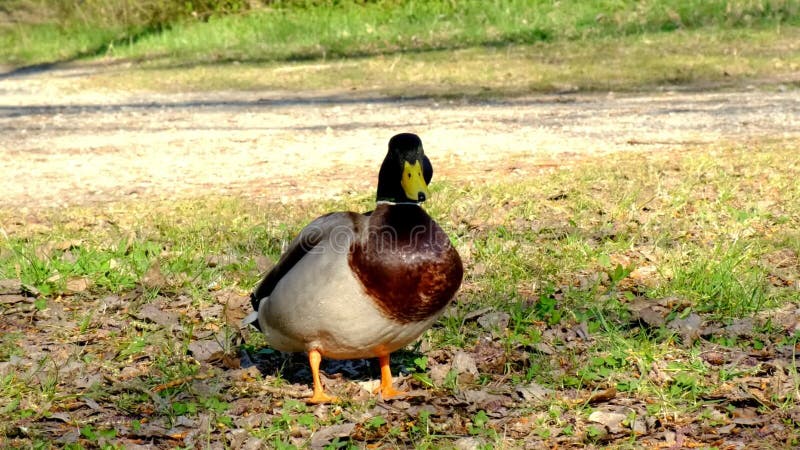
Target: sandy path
(60,147)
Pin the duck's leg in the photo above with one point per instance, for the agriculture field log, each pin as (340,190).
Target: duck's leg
(386,389)
(319,396)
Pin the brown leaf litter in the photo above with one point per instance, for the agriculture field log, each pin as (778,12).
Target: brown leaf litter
(108,378)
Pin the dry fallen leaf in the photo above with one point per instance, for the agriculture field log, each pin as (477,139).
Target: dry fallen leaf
(481,399)
(602,396)
(744,327)
(747,416)
(220,358)
(494,321)
(236,305)
(325,435)
(533,392)
(77,285)
(645,276)
(467,443)
(612,420)
(653,316)
(67,244)
(438,371)
(8,299)
(688,328)
(713,358)
(153,312)
(203,350)
(10,286)
(153,278)
(464,365)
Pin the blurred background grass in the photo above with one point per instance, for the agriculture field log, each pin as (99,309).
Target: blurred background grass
(42,31)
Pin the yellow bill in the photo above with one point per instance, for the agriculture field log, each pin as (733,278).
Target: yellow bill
(413,182)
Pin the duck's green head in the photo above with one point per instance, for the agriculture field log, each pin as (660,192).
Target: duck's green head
(405,172)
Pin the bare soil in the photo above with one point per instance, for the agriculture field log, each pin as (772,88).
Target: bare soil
(62,146)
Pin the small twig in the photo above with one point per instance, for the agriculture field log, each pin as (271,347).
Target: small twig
(183,380)
(286,392)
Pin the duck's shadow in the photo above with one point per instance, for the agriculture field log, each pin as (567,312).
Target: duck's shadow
(294,367)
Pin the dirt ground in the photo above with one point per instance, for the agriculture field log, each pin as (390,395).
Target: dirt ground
(60,146)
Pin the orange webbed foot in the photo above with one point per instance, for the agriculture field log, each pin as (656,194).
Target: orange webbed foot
(390,392)
(386,389)
(319,396)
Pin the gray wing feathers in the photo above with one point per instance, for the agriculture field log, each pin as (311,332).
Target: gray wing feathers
(315,232)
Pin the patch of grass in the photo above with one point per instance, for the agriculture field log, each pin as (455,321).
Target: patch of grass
(8,345)
(36,31)
(288,31)
(705,57)
(351,29)
(114,258)
(722,281)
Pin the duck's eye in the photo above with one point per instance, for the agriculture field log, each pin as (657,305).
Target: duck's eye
(409,175)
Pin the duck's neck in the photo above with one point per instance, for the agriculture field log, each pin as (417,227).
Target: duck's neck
(402,221)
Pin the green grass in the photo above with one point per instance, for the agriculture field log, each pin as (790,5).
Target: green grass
(719,280)
(710,227)
(349,29)
(572,248)
(502,48)
(699,58)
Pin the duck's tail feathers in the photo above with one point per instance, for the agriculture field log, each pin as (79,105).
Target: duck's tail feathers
(255,301)
(251,319)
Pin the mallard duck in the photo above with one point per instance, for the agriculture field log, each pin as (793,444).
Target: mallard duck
(353,285)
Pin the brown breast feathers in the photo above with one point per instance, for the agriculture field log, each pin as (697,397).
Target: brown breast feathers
(406,263)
